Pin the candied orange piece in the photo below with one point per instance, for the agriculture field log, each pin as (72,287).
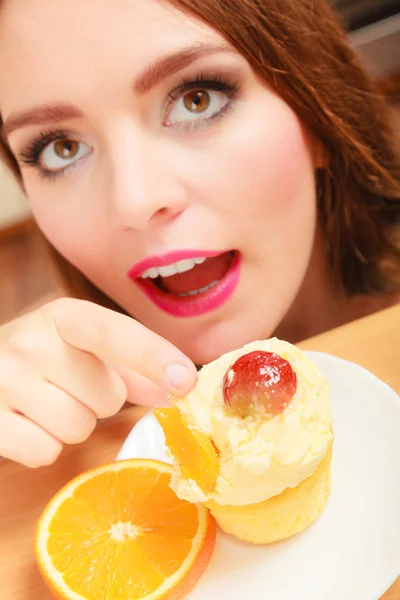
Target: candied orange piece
(192,449)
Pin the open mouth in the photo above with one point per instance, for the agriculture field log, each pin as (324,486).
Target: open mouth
(193,285)
(198,277)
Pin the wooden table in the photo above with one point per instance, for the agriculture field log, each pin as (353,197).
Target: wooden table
(373,342)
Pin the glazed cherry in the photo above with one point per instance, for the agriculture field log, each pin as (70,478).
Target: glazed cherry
(259,384)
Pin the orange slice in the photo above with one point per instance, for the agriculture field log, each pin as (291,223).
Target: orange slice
(192,449)
(118,532)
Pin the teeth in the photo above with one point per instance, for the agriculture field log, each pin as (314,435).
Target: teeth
(200,291)
(152,273)
(181,266)
(168,270)
(185,265)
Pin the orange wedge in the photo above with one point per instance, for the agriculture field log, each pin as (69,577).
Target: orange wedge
(192,449)
(118,532)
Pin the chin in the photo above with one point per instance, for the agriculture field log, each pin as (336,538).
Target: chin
(211,342)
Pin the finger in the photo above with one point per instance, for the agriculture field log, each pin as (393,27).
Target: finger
(84,377)
(25,442)
(52,409)
(116,337)
(142,391)
(80,374)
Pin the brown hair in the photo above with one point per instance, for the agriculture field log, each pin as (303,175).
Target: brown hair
(299,48)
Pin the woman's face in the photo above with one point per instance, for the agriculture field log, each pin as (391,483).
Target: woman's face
(149,147)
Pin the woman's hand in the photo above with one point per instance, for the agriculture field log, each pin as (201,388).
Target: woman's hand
(71,362)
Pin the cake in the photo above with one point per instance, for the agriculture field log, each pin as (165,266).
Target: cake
(253,441)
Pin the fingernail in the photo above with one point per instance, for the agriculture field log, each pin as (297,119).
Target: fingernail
(177,375)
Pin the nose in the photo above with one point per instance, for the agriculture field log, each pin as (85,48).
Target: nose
(145,188)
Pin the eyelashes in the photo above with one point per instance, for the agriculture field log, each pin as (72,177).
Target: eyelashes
(218,86)
(203,82)
(30,155)
(218,93)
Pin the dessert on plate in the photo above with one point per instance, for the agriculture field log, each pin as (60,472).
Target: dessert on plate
(253,441)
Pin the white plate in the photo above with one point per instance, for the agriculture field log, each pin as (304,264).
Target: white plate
(353,551)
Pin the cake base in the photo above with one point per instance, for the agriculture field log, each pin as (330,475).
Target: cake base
(281,516)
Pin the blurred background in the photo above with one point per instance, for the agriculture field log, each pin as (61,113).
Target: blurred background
(27,275)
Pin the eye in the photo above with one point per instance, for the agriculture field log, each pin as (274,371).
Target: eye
(61,153)
(196,104)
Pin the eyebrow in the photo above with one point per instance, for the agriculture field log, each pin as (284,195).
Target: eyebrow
(40,115)
(153,75)
(163,68)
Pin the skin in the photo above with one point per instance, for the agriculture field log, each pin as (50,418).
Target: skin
(147,188)
(147,181)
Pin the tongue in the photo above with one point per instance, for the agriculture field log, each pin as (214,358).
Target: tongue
(213,269)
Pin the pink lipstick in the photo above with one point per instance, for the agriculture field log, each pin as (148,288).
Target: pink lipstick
(188,283)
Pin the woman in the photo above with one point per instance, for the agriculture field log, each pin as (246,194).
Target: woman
(220,171)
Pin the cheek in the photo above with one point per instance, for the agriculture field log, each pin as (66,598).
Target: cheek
(267,161)
(278,158)
(68,223)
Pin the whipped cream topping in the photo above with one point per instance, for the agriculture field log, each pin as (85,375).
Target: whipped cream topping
(258,458)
